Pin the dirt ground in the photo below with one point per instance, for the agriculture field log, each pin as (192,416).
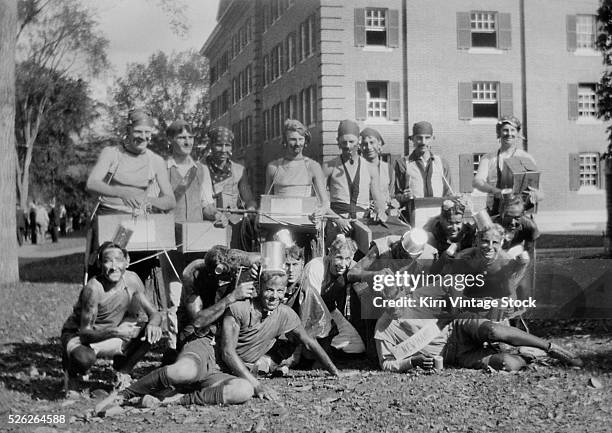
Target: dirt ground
(545,397)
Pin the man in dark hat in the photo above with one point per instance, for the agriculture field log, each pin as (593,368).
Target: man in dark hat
(422,173)
(352,180)
(488,177)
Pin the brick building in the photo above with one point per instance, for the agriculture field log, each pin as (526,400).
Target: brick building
(391,63)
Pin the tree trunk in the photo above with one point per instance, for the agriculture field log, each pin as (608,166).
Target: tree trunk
(608,234)
(9,267)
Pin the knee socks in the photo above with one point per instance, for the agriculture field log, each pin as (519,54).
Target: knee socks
(210,395)
(152,383)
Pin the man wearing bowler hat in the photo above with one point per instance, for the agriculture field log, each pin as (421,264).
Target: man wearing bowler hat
(421,174)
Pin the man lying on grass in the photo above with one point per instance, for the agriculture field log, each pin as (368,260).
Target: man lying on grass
(102,325)
(250,328)
(404,341)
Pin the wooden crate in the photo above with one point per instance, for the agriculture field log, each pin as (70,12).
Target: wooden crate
(151,232)
(201,236)
(293,210)
(519,174)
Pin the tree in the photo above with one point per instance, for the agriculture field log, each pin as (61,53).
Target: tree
(9,268)
(56,40)
(170,87)
(604,93)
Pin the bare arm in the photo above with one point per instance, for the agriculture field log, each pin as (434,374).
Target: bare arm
(318,180)
(245,192)
(312,345)
(269,177)
(480,179)
(166,199)
(210,315)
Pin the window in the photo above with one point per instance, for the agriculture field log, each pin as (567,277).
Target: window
(290,51)
(581,32)
(225,101)
(484,29)
(308,106)
(213,74)
(246,82)
(247,131)
(305,29)
(589,170)
(376,27)
(267,125)
(587,101)
(266,70)
(276,61)
(476,157)
(213,109)
(223,63)
(291,107)
(235,90)
(235,45)
(484,99)
(377,99)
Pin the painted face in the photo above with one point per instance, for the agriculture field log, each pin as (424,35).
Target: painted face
(489,244)
(422,142)
(294,268)
(139,138)
(113,264)
(348,144)
(295,143)
(452,226)
(272,294)
(370,148)
(341,261)
(182,144)
(511,217)
(508,134)
(222,151)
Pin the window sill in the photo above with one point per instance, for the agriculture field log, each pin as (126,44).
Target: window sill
(590,190)
(379,121)
(376,48)
(589,121)
(587,52)
(483,121)
(485,50)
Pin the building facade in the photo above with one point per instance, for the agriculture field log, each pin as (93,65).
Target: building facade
(391,63)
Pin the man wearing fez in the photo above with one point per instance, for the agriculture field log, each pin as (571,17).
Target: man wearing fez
(422,173)
(371,149)
(352,180)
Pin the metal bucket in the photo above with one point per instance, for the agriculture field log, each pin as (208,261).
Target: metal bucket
(273,257)
(483,220)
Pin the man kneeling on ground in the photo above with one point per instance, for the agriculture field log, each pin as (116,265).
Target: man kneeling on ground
(249,330)
(100,324)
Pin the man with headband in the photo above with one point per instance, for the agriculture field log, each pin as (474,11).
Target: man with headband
(448,232)
(488,177)
(422,173)
(352,180)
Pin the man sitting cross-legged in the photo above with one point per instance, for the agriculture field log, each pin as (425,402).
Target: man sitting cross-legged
(100,324)
(250,328)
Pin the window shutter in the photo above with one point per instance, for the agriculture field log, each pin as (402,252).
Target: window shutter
(466,172)
(571,32)
(361,103)
(572,101)
(601,174)
(360,34)
(506,106)
(464,31)
(574,171)
(465,101)
(393,28)
(394,100)
(504,32)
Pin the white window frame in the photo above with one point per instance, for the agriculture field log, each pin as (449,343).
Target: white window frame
(483,22)
(589,171)
(587,101)
(376,21)
(291,51)
(482,94)
(586,32)
(476,158)
(377,107)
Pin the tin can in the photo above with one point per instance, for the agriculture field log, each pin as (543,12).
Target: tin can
(438,363)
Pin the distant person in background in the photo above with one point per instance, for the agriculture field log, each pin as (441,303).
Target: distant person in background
(32,224)
(20,219)
(54,221)
(63,220)
(42,222)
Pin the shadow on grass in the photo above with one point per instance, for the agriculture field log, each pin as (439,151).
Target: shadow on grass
(35,369)
(63,269)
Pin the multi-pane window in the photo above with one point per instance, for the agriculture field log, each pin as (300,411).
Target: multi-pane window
(485,100)
(585,31)
(307,37)
(291,54)
(235,90)
(376,27)
(377,99)
(246,82)
(213,74)
(291,107)
(225,102)
(483,28)
(587,101)
(589,169)
(308,106)
(276,59)
(476,157)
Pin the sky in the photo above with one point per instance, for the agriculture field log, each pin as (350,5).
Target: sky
(138,28)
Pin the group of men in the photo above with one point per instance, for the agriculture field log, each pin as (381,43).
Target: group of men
(235,318)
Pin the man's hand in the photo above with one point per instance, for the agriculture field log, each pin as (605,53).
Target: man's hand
(243,291)
(425,362)
(345,225)
(406,195)
(127,330)
(316,216)
(132,199)
(153,334)
(265,392)
(221,220)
